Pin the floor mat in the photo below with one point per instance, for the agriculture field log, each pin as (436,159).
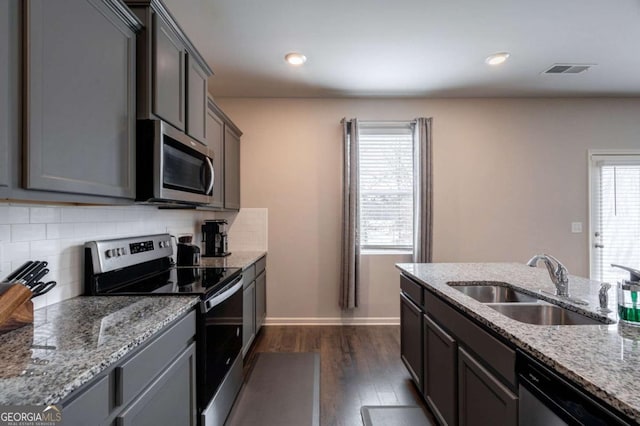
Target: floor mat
(393,415)
(283,389)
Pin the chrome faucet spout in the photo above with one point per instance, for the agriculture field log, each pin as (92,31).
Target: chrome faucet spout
(557,272)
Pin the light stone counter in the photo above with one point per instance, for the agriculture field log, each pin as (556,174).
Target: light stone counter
(602,359)
(73,341)
(237,259)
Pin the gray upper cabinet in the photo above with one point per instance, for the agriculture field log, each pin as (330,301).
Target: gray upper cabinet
(231,168)
(197,105)
(79,86)
(172,75)
(168,74)
(215,137)
(9,105)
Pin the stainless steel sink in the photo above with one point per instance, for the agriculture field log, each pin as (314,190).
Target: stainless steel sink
(495,294)
(545,314)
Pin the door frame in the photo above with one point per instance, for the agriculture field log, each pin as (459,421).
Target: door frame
(590,154)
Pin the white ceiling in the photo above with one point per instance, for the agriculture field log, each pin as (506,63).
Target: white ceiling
(415,48)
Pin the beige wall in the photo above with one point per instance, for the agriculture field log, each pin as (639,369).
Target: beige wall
(510,176)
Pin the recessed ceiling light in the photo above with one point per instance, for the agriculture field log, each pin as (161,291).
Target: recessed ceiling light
(497,58)
(295,59)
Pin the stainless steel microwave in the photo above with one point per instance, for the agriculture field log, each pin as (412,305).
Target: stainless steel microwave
(170,166)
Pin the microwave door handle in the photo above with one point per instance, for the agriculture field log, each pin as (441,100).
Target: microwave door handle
(213,176)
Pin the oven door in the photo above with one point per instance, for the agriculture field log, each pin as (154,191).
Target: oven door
(220,345)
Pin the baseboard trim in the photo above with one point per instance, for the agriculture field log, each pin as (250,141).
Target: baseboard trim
(333,321)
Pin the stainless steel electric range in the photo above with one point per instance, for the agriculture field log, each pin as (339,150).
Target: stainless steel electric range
(143,266)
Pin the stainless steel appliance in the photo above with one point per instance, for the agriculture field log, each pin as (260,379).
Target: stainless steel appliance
(171,167)
(214,238)
(143,266)
(546,399)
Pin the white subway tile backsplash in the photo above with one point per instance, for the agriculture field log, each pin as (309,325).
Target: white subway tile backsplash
(57,235)
(27,232)
(45,215)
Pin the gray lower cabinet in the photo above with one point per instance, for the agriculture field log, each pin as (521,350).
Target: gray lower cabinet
(168,74)
(231,169)
(466,375)
(154,385)
(215,139)
(80,97)
(440,371)
(483,399)
(248,316)
(170,399)
(411,338)
(261,300)
(254,302)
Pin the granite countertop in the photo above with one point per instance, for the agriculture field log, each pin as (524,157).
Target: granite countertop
(73,341)
(603,359)
(237,259)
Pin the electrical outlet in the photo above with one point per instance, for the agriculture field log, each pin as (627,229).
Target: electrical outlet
(576,227)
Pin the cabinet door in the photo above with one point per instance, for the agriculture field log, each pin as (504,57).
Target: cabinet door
(170,400)
(411,338)
(9,87)
(440,372)
(482,399)
(248,317)
(215,137)
(80,112)
(196,101)
(261,300)
(168,74)
(231,170)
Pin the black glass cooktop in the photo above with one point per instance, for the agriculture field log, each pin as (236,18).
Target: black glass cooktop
(179,280)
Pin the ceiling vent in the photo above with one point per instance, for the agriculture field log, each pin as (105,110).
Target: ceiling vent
(568,69)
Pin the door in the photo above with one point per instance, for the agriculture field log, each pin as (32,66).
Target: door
(482,399)
(80,101)
(411,338)
(248,317)
(168,74)
(196,101)
(231,169)
(615,214)
(440,372)
(261,300)
(9,87)
(215,137)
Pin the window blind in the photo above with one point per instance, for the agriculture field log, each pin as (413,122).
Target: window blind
(617,235)
(386,186)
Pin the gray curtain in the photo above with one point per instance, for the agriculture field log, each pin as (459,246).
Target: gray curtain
(423,192)
(350,238)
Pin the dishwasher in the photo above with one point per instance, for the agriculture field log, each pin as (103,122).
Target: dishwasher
(546,399)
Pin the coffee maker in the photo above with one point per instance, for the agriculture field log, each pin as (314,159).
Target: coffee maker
(214,238)
(188,254)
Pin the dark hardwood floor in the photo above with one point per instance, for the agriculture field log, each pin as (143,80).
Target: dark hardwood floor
(359,365)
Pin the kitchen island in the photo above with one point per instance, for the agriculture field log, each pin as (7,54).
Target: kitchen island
(602,359)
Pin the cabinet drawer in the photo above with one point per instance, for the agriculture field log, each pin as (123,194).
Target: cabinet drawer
(413,290)
(135,374)
(249,275)
(261,265)
(91,407)
(497,355)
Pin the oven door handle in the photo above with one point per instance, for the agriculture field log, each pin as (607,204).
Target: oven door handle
(234,286)
(213,176)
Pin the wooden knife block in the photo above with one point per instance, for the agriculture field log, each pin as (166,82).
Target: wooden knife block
(16,308)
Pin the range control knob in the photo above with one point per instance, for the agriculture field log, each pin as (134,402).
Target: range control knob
(110,253)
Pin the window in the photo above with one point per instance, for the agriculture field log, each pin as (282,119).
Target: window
(386,185)
(615,215)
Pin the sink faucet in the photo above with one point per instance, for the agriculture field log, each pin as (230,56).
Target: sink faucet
(558,273)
